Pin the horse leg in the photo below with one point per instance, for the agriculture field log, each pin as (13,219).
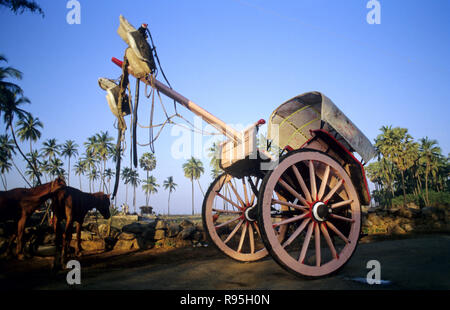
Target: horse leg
(20,230)
(79,249)
(67,236)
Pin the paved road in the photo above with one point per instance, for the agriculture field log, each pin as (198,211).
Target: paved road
(413,263)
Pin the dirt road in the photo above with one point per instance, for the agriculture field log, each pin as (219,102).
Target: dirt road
(420,262)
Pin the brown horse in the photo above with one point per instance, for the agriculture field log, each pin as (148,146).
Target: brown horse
(72,205)
(19,203)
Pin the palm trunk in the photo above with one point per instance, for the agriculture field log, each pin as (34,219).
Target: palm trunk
(192,182)
(168,205)
(4,182)
(403,187)
(426,189)
(26,159)
(80,182)
(134,199)
(68,173)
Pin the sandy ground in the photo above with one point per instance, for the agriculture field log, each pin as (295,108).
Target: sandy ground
(415,262)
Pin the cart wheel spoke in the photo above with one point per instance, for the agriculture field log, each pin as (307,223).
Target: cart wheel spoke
(302,183)
(229,201)
(342,218)
(228,222)
(312,179)
(333,190)
(236,193)
(306,243)
(290,220)
(328,240)
(296,233)
(251,238)
(241,241)
(323,185)
(234,231)
(291,205)
(337,232)
(317,243)
(341,204)
(292,191)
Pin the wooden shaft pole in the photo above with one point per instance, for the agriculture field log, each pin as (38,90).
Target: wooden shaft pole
(220,125)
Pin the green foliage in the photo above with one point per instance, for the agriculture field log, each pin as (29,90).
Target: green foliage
(436,199)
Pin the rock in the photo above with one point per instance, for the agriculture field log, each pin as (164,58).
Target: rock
(374,219)
(159,234)
(91,245)
(126,245)
(173,230)
(397,230)
(134,228)
(407,227)
(148,234)
(404,212)
(126,236)
(412,205)
(85,236)
(187,232)
(49,239)
(160,224)
(186,223)
(197,236)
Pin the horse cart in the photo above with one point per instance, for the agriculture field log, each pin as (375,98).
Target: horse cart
(300,203)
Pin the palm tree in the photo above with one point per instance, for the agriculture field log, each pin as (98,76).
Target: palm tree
(20,6)
(101,148)
(213,153)
(92,176)
(6,151)
(8,87)
(398,146)
(134,181)
(147,162)
(68,150)
(5,167)
(50,149)
(193,169)
(10,107)
(126,179)
(170,185)
(80,169)
(56,167)
(28,129)
(429,152)
(34,158)
(108,174)
(150,186)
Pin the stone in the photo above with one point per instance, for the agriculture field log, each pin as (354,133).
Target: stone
(374,219)
(126,245)
(46,250)
(85,236)
(397,230)
(159,234)
(173,230)
(126,236)
(160,224)
(134,228)
(186,223)
(90,245)
(404,212)
(407,227)
(187,232)
(412,205)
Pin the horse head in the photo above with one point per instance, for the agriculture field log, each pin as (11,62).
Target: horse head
(103,206)
(58,183)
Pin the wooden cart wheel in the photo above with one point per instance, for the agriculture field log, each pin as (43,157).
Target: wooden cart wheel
(229,218)
(324,214)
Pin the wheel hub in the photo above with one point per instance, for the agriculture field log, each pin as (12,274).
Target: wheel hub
(250,213)
(320,211)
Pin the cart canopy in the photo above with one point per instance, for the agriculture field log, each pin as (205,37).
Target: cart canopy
(292,122)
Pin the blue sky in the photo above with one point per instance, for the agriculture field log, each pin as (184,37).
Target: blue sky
(239,59)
